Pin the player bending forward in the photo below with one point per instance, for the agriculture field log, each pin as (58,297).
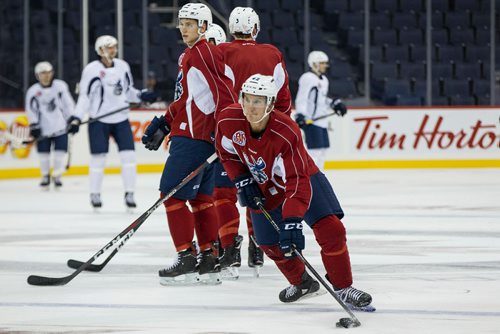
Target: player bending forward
(264,155)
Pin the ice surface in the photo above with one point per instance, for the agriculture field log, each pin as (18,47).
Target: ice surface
(424,243)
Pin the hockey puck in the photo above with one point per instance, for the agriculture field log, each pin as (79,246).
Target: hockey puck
(345,322)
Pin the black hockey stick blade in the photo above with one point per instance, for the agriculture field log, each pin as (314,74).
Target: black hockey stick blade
(48,281)
(75,264)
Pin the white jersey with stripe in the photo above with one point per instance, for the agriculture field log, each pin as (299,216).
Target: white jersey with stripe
(106,89)
(312,100)
(50,106)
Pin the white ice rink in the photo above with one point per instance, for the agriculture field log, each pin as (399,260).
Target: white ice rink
(424,243)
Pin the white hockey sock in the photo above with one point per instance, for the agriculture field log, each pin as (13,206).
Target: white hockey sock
(97,162)
(318,155)
(59,162)
(129,171)
(44,163)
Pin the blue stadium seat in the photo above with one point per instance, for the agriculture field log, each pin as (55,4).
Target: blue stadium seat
(340,70)
(449,53)
(456,87)
(467,70)
(442,71)
(440,36)
(355,37)
(337,6)
(477,53)
(461,36)
(437,20)
(380,20)
(385,6)
(401,20)
(420,88)
(418,53)
(480,19)
(265,19)
(394,88)
(440,101)
(356,5)
(470,5)
(411,5)
(481,87)
(347,20)
(482,35)
(441,5)
(295,54)
(384,70)
(457,19)
(412,70)
(384,37)
(285,37)
(408,100)
(376,54)
(460,100)
(345,88)
(283,19)
(263,5)
(397,53)
(411,36)
(292,5)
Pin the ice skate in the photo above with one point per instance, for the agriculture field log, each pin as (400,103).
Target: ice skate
(308,288)
(355,299)
(57,182)
(182,271)
(95,201)
(208,268)
(231,259)
(45,182)
(255,257)
(129,201)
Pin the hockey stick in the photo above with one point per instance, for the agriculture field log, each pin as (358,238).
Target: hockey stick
(126,234)
(344,322)
(311,121)
(90,120)
(70,146)
(16,141)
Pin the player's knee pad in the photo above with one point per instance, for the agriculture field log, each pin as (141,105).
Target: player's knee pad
(201,202)
(127,157)
(330,234)
(225,194)
(97,161)
(273,252)
(173,204)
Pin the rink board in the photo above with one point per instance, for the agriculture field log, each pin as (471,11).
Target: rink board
(364,138)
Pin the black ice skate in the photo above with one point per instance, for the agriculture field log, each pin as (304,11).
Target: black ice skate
(231,259)
(57,182)
(95,201)
(208,268)
(182,271)
(308,288)
(45,182)
(255,256)
(129,200)
(356,299)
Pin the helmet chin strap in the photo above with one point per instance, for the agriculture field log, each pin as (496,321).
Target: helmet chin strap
(268,111)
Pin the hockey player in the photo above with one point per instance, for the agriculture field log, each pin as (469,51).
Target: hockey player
(312,101)
(105,86)
(245,57)
(263,153)
(201,91)
(215,34)
(50,108)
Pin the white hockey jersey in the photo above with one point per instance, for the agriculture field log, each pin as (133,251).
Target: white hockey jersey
(50,106)
(106,89)
(312,100)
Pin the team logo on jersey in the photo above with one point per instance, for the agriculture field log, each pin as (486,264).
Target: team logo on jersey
(239,138)
(118,88)
(102,74)
(257,168)
(39,93)
(51,106)
(178,86)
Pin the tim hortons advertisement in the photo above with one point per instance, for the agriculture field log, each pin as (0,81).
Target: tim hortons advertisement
(417,134)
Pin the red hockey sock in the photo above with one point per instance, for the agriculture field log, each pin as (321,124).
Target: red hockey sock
(180,221)
(249,223)
(331,236)
(292,268)
(205,220)
(227,214)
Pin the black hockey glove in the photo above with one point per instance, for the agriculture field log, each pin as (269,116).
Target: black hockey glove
(155,133)
(291,234)
(300,119)
(339,107)
(73,125)
(247,191)
(35,131)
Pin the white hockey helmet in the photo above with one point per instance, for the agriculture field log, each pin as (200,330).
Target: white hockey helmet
(243,20)
(260,85)
(217,33)
(43,66)
(104,41)
(196,11)
(316,57)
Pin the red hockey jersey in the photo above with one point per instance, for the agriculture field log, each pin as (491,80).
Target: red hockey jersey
(245,58)
(277,159)
(201,90)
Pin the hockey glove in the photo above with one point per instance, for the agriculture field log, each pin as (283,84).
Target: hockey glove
(339,107)
(300,119)
(248,190)
(35,131)
(155,133)
(291,236)
(73,125)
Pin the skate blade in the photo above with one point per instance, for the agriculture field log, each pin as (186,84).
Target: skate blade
(256,271)
(181,280)
(230,274)
(367,308)
(210,279)
(320,292)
